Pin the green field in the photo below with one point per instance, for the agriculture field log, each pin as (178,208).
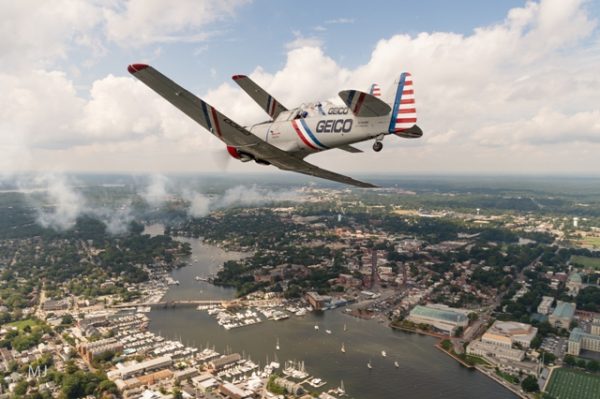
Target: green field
(21,324)
(591,242)
(586,261)
(571,384)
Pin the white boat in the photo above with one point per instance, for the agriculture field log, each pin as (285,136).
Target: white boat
(277,344)
(383,353)
(369,365)
(343,348)
(328,331)
(396,364)
(316,327)
(345,327)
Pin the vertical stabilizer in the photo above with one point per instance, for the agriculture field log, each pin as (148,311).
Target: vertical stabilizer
(404,112)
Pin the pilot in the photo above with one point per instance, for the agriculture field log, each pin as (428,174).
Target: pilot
(320,109)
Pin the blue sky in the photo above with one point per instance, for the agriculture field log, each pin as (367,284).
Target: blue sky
(257,34)
(501,87)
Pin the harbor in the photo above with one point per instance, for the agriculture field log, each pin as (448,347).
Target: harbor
(411,365)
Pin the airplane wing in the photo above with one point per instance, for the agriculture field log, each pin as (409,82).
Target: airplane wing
(227,130)
(258,94)
(363,104)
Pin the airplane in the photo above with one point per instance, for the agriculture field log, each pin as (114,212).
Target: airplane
(292,134)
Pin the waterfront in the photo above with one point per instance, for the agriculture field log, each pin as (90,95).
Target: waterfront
(424,371)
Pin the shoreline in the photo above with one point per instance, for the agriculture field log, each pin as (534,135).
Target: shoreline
(480,369)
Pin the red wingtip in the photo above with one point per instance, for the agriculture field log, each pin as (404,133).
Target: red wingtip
(236,77)
(136,67)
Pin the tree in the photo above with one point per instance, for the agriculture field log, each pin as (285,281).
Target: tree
(459,331)
(530,384)
(570,360)
(593,366)
(581,363)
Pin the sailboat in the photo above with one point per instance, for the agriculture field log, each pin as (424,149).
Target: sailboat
(369,365)
(345,327)
(328,331)
(277,344)
(343,348)
(396,364)
(317,327)
(383,353)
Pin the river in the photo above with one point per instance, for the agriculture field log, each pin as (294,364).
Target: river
(424,371)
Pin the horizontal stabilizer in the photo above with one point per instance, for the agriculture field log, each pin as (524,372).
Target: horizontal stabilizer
(349,148)
(363,104)
(266,101)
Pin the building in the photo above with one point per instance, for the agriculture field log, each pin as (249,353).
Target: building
(562,315)
(318,302)
(233,391)
(595,327)
(91,350)
(509,333)
(125,372)
(224,361)
(574,283)
(442,318)
(485,349)
(545,307)
(580,340)
(52,305)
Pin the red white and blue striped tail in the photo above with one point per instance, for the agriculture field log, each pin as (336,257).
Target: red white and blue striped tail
(375,90)
(404,112)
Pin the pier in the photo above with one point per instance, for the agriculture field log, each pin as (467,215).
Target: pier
(180,303)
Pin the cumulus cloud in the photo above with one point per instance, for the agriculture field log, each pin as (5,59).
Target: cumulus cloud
(140,22)
(529,80)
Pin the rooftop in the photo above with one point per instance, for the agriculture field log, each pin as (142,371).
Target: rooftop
(564,310)
(441,314)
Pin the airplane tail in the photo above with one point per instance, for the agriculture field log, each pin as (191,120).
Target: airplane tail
(404,112)
(375,90)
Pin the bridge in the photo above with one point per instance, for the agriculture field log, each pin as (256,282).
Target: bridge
(179,303)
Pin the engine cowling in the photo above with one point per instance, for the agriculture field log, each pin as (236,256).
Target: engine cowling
(235,153)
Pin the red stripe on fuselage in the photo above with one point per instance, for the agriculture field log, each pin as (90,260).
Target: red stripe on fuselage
(297,129)
(408,101)
(407,111)
(406,120)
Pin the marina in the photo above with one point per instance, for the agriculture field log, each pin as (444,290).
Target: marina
(424,371)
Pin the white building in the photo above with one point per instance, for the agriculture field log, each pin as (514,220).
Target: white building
(508,333)
(546,305)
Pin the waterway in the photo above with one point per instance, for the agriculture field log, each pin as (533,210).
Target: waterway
(424,371)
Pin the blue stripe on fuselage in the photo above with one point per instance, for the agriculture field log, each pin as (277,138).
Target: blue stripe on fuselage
(312,136)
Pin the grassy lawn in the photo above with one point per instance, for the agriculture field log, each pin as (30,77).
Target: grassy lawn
(586,261)
(508,377)
(591,241)
(21,324)
(572,384)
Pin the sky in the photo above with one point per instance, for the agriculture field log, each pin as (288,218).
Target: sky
(504,87)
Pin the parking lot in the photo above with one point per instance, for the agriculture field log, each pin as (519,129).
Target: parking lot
(555,345)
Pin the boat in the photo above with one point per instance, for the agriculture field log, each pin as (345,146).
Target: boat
(343,348)
(316,327)
(328,331)
(383,353)
(345,327)
(396,364)
(369,365)
(277,344)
